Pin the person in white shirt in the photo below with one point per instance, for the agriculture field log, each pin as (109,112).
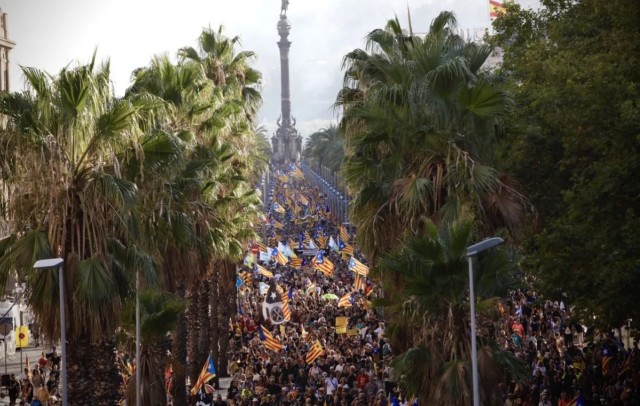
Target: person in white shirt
(380,330)
(331,383)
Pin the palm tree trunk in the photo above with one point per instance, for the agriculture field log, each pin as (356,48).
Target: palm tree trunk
(93,374)
(214,322)
(204,341)
(228,293)
(179,389)
(193,327)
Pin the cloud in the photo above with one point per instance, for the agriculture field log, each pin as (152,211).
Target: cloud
(50,34)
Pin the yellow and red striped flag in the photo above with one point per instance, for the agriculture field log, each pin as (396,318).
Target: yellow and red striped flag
(495,8)
(314,352)
(346,300)
(269,341)
(295,263)
(279,256)
(359,283)
(344,235)
(264,272)
(358,267)
(322,264)
(208,372)
(284,298)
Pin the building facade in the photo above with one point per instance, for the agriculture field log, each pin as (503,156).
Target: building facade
(6,45)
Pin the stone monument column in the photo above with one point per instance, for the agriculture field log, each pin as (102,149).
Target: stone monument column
(286,142)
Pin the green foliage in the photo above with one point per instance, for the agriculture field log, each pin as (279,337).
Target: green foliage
(325,148)
(429,316)
(575,75)
(420,124)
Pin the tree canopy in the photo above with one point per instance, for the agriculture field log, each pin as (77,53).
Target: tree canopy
(574,70)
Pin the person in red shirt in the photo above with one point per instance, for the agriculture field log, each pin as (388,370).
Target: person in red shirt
(362,379)
(518,329)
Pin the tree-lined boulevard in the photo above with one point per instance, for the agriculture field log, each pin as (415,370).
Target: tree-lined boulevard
(343,278)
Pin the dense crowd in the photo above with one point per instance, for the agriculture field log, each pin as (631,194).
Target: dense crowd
(354,366)
(38,385)
(568,363)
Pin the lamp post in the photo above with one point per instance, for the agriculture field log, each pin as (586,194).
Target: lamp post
(472,251)
(50,264)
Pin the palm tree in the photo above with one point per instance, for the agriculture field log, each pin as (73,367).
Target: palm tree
(205,219)
(325,148)
(66,198)
(430,318)
(159,314)
(420,123)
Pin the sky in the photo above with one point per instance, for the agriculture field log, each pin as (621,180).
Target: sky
(51,34)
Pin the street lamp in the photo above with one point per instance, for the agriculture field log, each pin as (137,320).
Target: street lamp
(50,264)
(472,251)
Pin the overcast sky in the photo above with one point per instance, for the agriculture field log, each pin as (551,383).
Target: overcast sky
(50,34)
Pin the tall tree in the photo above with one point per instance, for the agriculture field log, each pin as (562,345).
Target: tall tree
(420,122)
(67,199)
(325,148)
(572,68)
(429,318)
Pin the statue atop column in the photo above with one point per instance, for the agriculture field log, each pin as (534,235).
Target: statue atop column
(283,10)
(287,142)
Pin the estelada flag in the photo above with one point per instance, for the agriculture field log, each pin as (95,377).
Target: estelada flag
(346,301)
(314,352)
(344,235)
(358,267)
(269,341)
(263,271)
(208,372)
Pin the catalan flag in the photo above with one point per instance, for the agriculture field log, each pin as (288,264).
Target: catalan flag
(577,401)
(284,297)
(322,241)
(295,263)
(263,271)
(269,341)
(495,8)
(307,238)
(359,284)
(346,300)
(246,277)
(278,208)
(606,364)
(303,200)
(208,372)
(262,247)
(344,248)
(278,225)
(368,290)
(314,352)
(324,265)
(358,267)
(279,257)
(297,173)
(344,235)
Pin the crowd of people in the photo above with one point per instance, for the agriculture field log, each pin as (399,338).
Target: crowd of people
(37,385)
(567,364)
(353,368)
